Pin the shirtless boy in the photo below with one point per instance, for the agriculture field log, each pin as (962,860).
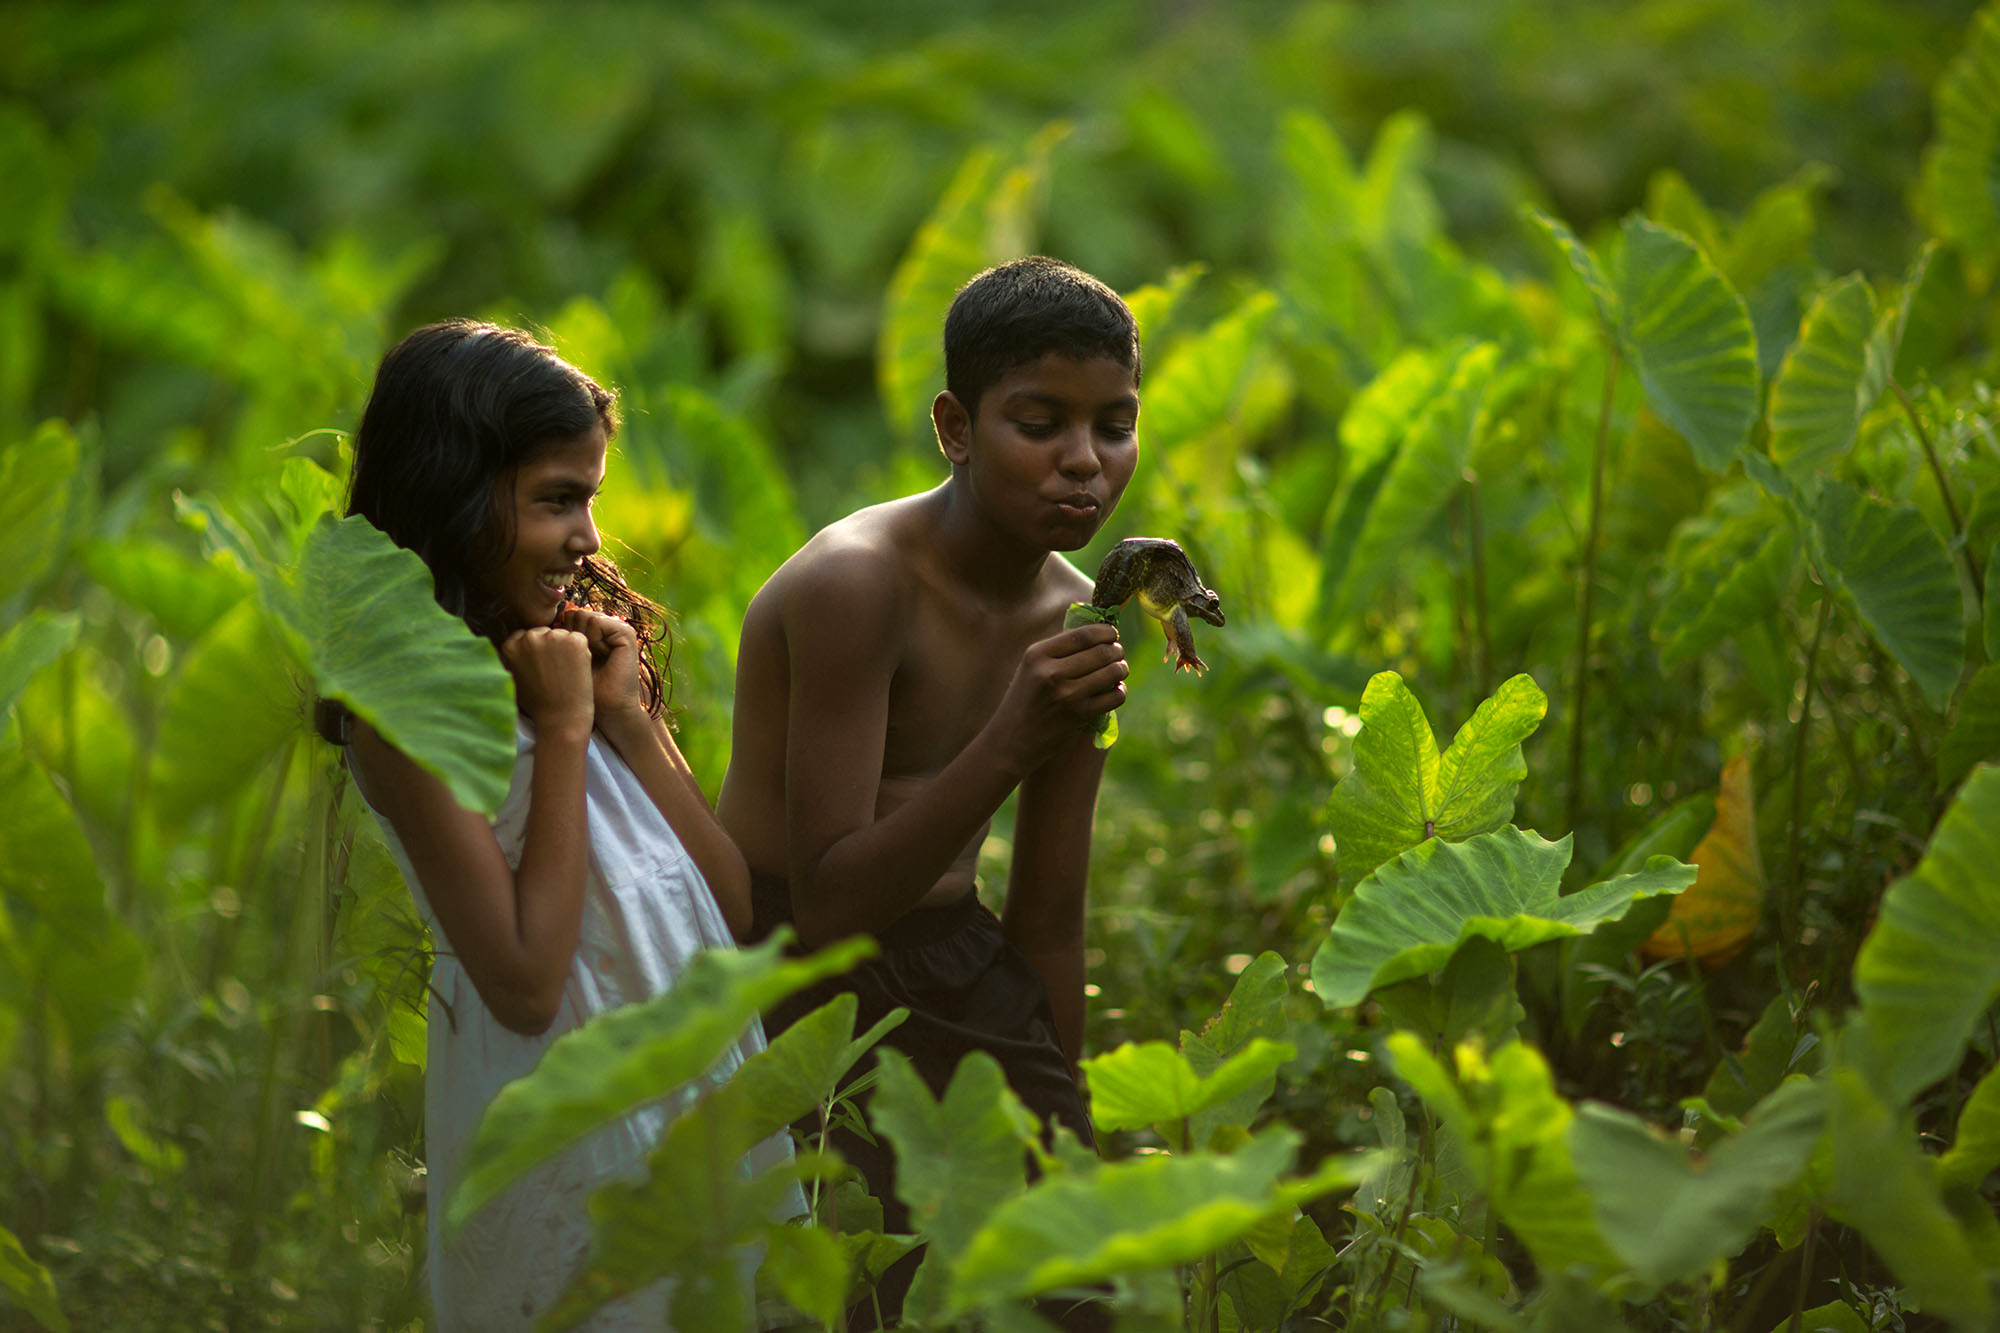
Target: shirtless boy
(907,670)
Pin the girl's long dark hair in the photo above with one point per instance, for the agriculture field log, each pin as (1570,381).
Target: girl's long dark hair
(457,408)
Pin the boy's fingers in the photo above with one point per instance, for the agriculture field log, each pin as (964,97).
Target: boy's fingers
(1082,637)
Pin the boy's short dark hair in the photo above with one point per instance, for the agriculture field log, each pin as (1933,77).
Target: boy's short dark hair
(1027,308)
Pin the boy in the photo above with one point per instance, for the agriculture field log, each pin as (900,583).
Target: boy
(907,670)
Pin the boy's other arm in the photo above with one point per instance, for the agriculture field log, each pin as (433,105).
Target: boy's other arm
(1043,917)
(844,631)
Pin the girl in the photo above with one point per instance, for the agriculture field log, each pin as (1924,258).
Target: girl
(605,870)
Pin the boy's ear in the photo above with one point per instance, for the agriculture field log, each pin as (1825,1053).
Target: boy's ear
(954,427)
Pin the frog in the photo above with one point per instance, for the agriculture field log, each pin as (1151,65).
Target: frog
(1158,572)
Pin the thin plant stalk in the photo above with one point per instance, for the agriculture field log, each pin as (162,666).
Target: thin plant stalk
(1944,491)
(1587,590)
(1797,1321)
(1476,542)
(1463,665)
(1795,870)
(1381,1291)
(285,1030)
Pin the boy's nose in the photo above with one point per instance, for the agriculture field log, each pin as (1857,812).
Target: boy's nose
(1079,455)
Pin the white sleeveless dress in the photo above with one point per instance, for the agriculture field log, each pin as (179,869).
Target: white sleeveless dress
(647,911)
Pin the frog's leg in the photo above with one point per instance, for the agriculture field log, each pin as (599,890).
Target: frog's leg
(1180,644)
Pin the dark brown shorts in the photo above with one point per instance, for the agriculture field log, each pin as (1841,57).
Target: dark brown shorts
(967,989)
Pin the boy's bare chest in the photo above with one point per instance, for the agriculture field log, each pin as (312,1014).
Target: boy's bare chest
(955,668)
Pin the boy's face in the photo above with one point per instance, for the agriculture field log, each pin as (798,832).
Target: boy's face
(1052,447)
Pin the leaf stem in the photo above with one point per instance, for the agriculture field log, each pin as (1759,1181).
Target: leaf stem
(1587,589)
(1476,539)
(1944,491)
(1795,871)
(1797,1320)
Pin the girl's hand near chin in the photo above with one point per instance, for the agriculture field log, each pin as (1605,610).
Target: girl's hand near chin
(616,687)
(552,679)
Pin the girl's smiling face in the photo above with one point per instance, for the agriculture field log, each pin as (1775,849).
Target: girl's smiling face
(553,529)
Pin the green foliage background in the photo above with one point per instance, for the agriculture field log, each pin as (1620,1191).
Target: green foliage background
(1658,456)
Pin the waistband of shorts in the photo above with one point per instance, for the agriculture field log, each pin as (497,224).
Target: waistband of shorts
(771,905)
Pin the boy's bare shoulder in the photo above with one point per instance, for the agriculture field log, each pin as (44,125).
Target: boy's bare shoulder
(1069,582)
(855,569)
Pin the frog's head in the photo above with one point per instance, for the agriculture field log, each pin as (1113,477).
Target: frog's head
(1203,604)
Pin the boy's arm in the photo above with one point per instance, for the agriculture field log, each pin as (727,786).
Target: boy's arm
(851,871)
(1043,917)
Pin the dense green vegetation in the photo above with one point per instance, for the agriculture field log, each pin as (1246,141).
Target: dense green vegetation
(1585,413)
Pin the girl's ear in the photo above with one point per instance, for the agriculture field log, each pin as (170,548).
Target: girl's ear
(954,427)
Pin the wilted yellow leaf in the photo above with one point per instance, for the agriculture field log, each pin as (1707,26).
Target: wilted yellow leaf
(1713,919)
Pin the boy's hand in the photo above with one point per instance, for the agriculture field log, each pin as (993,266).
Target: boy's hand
(615,684)
(1063,683)
(551,670)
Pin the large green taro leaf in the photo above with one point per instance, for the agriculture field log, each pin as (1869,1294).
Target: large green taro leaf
(1423,473)
(1828,380)
(1254,1009)
(1895,568)
(740,487)
(1931,965)
(1683,328)
(1887,1189)
(802,1065)
(1990,630)
(1402,792)
(1150,1083)
(957,1156)
(1372,430)
(39,639)
(1962,166)
(1688,335)
(1595,283)
(809,1267)
(626,1057)
(1512,1128)
(697,1206)
(986,216)
(1669,1217)
(85,962)
(1975,1150)
(689,1217)
(376,640)
(183,594)
(29,1285)
(1975,733)
(1773,1049)
(947,250)
(1140,1214)
(237,670)
(36,477)
(1413,914)
(1197,386)
(1733,569)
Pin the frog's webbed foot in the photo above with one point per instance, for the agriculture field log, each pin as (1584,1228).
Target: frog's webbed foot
(1180,644)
